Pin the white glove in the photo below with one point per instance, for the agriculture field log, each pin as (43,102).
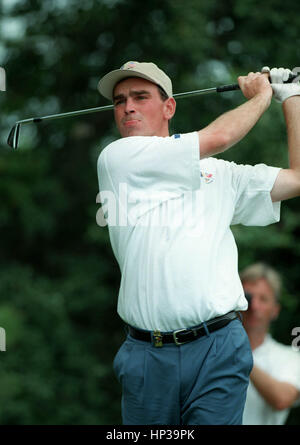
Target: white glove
(281,90)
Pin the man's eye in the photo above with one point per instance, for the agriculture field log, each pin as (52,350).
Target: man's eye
(141,97)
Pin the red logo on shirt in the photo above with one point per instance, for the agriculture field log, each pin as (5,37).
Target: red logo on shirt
(208,177)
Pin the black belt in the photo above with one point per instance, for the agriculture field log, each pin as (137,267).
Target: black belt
(181,336)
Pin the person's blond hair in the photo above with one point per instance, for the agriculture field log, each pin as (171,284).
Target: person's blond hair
(260,270)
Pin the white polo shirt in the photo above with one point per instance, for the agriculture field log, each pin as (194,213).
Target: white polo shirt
(169,217)
(282,363)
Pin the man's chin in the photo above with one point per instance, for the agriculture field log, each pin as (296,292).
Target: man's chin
(127,132)
(251,322)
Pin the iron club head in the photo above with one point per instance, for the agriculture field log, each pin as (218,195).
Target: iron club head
(13,137)
(2,79)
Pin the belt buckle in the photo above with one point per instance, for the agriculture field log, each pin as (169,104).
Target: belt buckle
(157,336)
(177,342)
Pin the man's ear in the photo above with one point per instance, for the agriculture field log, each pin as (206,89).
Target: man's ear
(169,108)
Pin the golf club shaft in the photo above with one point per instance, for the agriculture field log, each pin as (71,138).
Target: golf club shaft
(13,136)
(110,107)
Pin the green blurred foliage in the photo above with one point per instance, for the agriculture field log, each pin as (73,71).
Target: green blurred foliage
(58,279)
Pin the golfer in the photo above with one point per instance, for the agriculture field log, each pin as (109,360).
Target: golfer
(169,207)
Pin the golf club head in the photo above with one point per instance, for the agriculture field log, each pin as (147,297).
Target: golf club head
(2,79)
(13,137)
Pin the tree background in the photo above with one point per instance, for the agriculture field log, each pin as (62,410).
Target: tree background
(58,278)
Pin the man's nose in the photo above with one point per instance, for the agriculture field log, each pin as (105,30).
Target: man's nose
(129,106)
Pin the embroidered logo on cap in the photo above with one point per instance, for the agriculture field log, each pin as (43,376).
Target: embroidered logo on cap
(129,66)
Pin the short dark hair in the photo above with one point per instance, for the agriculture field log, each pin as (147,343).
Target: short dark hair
(163,94)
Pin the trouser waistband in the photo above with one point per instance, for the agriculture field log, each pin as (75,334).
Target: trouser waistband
(182,336)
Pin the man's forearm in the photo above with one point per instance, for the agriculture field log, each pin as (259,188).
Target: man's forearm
(238,122)
(232,126)
(287,184)
(280,395)
(291,110)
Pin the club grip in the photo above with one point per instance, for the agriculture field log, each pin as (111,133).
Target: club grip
(232,87)
(292,76)
(235,86)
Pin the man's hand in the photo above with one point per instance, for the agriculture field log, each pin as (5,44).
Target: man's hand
(256,84)
(282,91)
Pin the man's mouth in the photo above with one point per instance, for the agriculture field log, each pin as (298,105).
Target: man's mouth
(131,122)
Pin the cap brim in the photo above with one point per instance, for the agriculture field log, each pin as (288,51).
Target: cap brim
(107,84)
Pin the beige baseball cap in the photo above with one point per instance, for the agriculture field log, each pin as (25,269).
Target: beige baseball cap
(145,70)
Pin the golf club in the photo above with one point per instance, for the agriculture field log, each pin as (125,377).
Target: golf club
(13,137)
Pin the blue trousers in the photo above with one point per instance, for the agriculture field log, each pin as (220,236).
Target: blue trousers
(203,382)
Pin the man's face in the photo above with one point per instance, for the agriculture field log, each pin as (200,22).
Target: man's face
(263,308)
(139,109)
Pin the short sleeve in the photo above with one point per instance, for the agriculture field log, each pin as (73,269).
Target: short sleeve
(253,203)
(150,170)
(290,373)
(290,370)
